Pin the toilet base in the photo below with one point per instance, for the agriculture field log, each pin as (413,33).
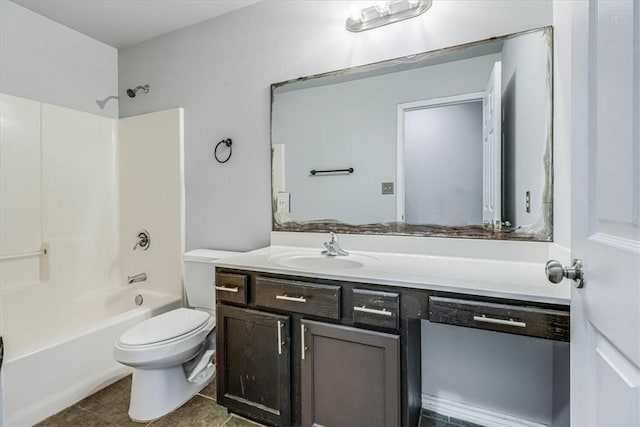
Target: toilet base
(156,392)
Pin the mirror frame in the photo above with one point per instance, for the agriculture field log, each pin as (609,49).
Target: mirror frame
(403,229)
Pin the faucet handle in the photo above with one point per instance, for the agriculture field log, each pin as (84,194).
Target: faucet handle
(327,248)
(143,240)
(332,247)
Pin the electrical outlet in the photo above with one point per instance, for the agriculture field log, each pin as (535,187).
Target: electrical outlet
(282,202)
(387,188)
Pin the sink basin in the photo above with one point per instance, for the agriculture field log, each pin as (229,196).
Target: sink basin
(321,262)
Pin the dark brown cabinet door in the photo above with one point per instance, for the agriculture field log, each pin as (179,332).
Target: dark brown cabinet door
(253,362)
(349,376)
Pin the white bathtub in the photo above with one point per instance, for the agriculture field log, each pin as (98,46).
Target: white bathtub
(57,355)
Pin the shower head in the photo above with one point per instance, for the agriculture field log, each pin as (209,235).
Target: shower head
(132,92)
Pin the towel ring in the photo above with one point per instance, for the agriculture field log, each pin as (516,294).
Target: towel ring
(226,142)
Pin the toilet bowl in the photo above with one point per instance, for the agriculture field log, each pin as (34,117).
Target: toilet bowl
(171,353)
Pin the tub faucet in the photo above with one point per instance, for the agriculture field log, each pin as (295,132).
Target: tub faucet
(332,247)
(137,278)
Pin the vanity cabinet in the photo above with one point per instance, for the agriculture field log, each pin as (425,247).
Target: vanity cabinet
(298,297)
(307,352)
(298,350)
(349,376)
(530,321)
(253,363)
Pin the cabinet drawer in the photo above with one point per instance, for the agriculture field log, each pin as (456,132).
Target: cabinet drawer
(376,308)
(532,321)
(300,297)
(231,287)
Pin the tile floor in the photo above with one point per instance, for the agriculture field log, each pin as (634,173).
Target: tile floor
(108,407)
(433,419)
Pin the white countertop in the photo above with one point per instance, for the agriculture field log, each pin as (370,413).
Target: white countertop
(492,278)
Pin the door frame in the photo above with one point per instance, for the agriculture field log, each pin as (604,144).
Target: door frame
(402,109)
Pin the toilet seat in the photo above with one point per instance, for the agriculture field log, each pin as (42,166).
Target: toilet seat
(164,328)
(159,348)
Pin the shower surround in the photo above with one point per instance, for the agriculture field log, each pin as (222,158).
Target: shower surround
(81,186)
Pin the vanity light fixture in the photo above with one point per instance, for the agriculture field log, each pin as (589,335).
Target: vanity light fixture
(386,12)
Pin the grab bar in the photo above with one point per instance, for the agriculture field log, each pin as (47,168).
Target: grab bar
(23,255)
(314,172)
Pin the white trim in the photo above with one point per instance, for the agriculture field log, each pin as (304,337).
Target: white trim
(616,242)
(474,414)
(400,164)
(412,106)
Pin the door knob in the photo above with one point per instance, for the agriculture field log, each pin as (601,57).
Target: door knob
(556,272)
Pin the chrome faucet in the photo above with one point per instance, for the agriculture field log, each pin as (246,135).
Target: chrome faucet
(332,247)
(137,278)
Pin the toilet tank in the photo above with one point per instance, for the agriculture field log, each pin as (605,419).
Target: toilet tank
(199,277)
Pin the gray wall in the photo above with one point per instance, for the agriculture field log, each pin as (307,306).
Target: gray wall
(443,164)
(509,374)
(524,69)
(45,61)
(221,70)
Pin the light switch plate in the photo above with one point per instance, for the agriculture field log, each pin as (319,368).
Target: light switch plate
(282,202)
(387,188)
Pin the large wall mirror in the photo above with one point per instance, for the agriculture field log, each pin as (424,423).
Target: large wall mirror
(452,143)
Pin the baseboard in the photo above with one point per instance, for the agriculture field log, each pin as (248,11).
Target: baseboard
(472,414)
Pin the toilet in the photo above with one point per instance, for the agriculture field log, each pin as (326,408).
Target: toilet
(171,353)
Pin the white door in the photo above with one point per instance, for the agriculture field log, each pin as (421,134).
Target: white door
(492,150)
(605,313)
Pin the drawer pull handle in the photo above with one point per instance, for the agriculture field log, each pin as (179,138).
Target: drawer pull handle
(382,312)
(225,289)
(288,298)
(499,321)
(304,347)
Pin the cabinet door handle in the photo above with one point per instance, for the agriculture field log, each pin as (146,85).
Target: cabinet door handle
(499,321)
(279,337)
(288,298)
(364,309)
(304,347)
(225,289)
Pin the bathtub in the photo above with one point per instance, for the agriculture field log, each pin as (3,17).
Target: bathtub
(60,354)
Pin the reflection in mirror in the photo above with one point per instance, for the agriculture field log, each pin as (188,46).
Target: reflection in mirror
(455,142)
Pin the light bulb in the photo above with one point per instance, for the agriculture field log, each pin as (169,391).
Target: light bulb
(382,7)
(399,6)
(356,14)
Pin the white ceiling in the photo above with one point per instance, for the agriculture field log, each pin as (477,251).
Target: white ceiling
(122,23)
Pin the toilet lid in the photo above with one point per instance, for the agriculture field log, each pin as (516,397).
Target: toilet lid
(164,327)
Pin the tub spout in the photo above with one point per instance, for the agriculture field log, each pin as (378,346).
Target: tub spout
(137,278)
